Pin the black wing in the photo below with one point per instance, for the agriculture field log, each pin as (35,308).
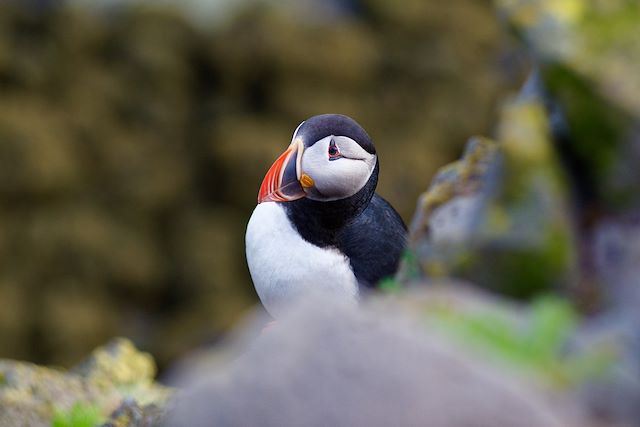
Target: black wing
(374,242)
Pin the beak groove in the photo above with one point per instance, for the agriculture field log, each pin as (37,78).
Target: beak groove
(281,183)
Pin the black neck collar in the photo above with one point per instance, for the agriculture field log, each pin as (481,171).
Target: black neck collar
(319,222)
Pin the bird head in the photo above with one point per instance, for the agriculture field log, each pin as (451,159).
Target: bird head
(330,157)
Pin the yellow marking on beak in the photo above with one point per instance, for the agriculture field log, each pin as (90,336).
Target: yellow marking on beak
(306,181)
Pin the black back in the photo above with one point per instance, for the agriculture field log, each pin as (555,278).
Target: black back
(364,227)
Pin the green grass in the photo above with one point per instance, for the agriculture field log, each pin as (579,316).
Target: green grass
(80,415)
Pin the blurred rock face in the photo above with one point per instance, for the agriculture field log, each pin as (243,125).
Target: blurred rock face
(499,217)
(553,203)
(616,253)
(132,146)
(590,65)
(565,161)
(326,363)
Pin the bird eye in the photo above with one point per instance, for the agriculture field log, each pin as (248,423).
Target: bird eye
(334,153)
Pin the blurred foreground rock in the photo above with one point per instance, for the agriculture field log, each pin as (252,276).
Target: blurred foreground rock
(390,362)
(115,378)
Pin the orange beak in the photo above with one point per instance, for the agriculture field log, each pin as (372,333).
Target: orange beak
(281,183)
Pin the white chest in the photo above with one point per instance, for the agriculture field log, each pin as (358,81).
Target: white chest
(284,266)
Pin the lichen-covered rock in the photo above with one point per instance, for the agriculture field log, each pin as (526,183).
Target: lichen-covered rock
(499,216)
(32,395)
(131,414)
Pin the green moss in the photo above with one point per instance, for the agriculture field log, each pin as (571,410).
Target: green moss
(498,221)
(593,121)
(80,415)
(410,265)
(520,272)
(390,285)
(560,250)
(603,30)
(536,346)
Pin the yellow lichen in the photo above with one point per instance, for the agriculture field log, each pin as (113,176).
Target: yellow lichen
(120,363)
(524,133)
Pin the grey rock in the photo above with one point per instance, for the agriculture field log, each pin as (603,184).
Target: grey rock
(329,364)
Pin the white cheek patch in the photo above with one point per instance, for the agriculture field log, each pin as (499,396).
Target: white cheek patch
(339,178)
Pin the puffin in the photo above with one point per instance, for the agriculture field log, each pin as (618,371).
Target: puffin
(319,225)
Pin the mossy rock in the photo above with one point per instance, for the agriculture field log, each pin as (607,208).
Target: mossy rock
(499,216)
(113,375)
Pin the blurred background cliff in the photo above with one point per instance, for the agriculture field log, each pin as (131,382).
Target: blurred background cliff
(134,136)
